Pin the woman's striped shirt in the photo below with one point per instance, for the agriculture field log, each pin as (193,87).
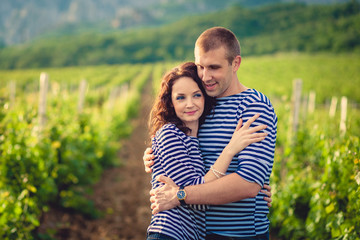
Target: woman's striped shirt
(178,157)
(249,216)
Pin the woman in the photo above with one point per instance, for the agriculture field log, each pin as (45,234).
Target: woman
(180,108)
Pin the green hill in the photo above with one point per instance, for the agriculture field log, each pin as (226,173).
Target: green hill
(265,30)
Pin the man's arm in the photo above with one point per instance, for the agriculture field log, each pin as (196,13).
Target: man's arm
(227,189)
(230,188)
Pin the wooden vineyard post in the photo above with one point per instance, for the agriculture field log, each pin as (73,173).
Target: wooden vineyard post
(44,83)
(333,104)
(343,115)
(311,103)
(12,92)
(119,92)
(115,92)
(124,91)
(82,91)
(296,102)
(293,121)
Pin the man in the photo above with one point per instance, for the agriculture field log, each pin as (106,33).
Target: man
(237,206)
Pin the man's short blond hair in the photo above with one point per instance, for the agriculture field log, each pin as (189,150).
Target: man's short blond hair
(216,37)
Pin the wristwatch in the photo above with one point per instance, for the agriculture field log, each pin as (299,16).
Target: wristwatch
(181,195)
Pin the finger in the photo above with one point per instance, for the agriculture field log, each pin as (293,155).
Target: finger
(268,193)
(161,178)
(148,170)
(239,124)
(148,157)
(257,136)
(257,128)
(164,179)
(267,187)
(254,137)
(251,120)
(154,207)
(254,140)
(148,151)
(155,210)
(152,192)
(267,199)
(148,163)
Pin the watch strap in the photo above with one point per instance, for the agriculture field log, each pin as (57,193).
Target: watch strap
(182,201)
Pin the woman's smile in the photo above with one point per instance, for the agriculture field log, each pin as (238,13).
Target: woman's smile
(191,112)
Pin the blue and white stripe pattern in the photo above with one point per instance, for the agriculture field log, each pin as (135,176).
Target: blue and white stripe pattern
(178,157)
(249,216)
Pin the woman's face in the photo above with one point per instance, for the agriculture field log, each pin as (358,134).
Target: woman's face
(188,100)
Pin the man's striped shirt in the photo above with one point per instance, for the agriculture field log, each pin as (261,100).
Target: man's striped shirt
(254,164)
(178,157)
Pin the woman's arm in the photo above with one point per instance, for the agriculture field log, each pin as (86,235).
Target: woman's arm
(242,137)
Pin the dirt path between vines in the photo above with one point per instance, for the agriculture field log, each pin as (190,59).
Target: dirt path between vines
(122,194)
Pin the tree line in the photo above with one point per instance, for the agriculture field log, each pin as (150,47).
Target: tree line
(265,30)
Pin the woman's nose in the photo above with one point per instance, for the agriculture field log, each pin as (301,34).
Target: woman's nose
(189,103)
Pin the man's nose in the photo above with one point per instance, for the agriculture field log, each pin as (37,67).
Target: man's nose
(206,75)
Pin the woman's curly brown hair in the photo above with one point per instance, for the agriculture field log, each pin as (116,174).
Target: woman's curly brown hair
(163,111)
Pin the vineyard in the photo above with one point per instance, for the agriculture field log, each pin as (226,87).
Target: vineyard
(55,146)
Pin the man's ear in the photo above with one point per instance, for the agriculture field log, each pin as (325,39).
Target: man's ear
(236,63)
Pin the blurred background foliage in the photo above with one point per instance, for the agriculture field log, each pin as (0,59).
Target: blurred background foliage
(316,174)
(264,29)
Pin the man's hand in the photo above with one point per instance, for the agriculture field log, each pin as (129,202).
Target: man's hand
(268,193)
(148,160)
(164,198)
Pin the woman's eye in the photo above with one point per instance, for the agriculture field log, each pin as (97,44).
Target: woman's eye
(179,97)
(197,95)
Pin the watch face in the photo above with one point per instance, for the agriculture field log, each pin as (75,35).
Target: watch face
(181,194)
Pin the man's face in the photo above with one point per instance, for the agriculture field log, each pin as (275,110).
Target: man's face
(215,71)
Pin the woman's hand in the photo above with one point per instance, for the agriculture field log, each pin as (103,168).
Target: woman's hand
(243,135)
